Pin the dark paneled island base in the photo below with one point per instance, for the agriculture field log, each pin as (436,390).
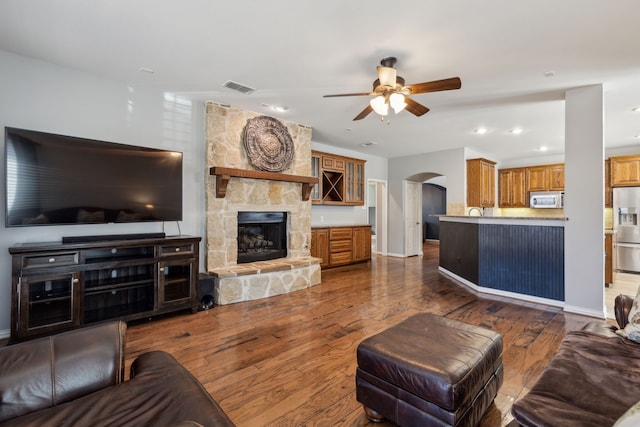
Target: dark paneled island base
(521,256)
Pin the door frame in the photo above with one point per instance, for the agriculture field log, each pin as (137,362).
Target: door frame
(381,204)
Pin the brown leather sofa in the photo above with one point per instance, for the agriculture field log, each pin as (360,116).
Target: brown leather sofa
(76,378)
(590,382)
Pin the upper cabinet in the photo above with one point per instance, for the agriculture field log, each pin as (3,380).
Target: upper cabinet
(608,190)
(341,179)
(625,171)
(545,178)
(481,183)
(514,184)
(512,188)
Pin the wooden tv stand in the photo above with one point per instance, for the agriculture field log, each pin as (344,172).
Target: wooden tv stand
(59,286)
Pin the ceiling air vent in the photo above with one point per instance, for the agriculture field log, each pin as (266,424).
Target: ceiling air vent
(238,87)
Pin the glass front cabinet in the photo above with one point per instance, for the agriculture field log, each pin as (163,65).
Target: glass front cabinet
(341,179)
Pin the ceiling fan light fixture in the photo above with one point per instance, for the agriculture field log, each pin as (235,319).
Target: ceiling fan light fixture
(397,102)
(379,105)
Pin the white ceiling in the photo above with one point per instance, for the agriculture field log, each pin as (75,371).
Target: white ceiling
(293,52)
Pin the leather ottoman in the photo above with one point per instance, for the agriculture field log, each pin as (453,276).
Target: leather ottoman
(429,371)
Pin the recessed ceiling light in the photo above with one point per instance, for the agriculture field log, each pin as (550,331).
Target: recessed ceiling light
(481,131)
(368,144)
(549,73)
(542,148)
(637,136)
(516,131)
(636,109)
(147,70)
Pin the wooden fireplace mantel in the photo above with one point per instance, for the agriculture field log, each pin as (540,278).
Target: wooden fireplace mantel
(223,175)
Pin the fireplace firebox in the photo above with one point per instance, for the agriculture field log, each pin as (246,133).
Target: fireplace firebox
(261,236)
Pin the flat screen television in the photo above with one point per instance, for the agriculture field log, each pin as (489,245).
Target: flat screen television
(55,179)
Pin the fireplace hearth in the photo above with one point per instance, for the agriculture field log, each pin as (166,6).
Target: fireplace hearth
(262,236)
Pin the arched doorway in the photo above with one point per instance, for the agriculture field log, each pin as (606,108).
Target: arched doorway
(412,212)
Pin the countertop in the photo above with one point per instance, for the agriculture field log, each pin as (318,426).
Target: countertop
(338,225)
(544,218)
(506,220)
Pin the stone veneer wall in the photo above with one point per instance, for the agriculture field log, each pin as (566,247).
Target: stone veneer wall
(224,127)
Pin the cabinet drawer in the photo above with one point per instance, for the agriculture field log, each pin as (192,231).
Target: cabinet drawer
(50,260)
(340,258)
(167,250)
(340,246)
(340,234)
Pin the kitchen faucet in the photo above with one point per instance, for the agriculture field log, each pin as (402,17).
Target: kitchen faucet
(478,209)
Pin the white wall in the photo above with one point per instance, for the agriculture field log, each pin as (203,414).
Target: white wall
(40,96)
(374,168)
(450,163)
(584,201)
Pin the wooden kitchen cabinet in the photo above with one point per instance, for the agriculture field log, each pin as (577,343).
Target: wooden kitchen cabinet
(512,188)
(556,177)
(608,190)
(608,259)
(545,178)
(341,179)
(354,179)
(481,182)
(315,172)
(625,171)
(320,245)
(338,246)
(361,243)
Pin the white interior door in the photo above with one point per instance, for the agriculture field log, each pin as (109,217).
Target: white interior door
(412,218)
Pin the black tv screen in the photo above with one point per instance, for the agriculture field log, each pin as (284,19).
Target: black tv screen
(55,179)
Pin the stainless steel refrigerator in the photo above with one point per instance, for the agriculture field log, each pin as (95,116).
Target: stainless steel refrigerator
(626,227)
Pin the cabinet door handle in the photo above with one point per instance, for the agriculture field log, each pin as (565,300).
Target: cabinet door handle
(52,260)
(75,280)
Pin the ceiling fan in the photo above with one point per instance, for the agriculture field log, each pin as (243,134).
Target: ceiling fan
(389,90)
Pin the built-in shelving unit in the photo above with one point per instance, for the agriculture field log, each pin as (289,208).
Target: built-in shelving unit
(341,180)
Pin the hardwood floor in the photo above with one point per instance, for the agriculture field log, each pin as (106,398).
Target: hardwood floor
(290,360)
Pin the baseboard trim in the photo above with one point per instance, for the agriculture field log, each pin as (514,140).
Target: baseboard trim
(5,333)
(391,254)
(501,293)
(585,312)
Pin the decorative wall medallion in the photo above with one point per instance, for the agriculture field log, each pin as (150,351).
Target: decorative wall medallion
(268,144)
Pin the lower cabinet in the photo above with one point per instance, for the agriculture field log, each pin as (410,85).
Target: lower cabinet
(608,264)
(60,286)
(338,246)
(320,245)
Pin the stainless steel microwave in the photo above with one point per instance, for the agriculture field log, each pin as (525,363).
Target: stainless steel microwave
(546,199)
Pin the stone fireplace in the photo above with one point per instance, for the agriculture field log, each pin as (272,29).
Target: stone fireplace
(237,280)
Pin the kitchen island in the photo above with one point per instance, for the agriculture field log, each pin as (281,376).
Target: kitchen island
(516,257)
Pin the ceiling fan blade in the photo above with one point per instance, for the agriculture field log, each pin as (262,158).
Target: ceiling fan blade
(415,107)
(364,113)
(436,86)
(387,76)
(347,94)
